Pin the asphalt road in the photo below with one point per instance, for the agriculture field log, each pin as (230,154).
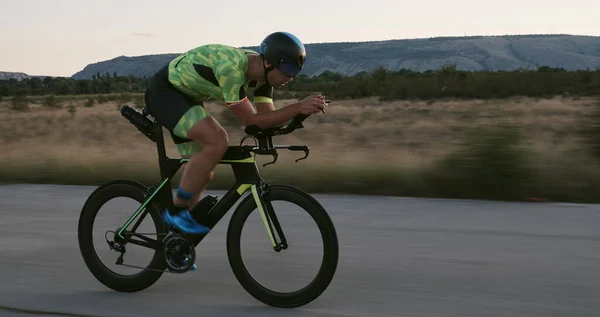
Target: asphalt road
(398,257)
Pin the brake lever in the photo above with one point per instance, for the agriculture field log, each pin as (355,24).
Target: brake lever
(303,148)
(275,155)
(305,156)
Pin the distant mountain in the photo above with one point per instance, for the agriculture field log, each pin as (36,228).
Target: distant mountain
(12,75)
(139,66)
(473,53)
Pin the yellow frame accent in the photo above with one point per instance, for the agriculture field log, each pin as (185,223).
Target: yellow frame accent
(262,214)
(243,188)
(246,160)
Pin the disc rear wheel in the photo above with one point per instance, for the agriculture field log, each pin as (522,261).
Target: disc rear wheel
(102,247)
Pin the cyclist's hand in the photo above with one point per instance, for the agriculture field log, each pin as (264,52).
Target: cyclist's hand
(312,104)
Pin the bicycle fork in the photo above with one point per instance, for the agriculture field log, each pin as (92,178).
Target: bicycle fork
(267,213)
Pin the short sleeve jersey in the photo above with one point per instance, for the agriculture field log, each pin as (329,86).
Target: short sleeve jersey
(216,71)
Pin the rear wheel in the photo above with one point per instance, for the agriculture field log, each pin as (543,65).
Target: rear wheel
(153,268)
(324,233)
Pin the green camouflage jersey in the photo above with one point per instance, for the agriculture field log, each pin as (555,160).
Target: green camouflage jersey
(216,71)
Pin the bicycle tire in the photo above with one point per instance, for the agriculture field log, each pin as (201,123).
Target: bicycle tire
(328,265)
(112,280)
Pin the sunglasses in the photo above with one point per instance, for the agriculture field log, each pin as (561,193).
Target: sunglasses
(288,68)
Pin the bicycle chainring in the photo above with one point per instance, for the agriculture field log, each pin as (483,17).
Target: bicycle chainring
(179,253)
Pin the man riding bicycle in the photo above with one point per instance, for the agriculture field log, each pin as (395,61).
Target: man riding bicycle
(175,95)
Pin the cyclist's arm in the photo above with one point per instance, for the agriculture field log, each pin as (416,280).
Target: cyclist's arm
(232,83)
(262,107)
(249,116)
(263,98)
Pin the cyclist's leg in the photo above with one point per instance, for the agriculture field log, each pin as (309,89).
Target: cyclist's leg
(187,150)
(174,111)
(198,196)
(209,143)
(177,112)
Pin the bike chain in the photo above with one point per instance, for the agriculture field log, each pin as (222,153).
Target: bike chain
(140,267)
(146,269)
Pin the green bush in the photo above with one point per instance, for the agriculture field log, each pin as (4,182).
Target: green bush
(19,103)
(589,129)
(139,101)
(51,102)
(124,97)
(103,99)
(492,163)
(89,103)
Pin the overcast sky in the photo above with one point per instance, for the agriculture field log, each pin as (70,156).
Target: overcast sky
(60,37)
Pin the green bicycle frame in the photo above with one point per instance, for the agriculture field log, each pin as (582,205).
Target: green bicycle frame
(247,178)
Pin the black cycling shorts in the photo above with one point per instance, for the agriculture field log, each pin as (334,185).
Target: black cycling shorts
(167,104)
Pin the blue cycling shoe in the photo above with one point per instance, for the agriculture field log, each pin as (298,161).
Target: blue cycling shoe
(184,222)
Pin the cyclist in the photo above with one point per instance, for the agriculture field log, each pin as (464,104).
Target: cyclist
(175,95)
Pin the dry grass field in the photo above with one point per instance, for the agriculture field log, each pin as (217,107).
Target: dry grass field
(417,148)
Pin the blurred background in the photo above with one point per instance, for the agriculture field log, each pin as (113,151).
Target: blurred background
(515,135)
(429,100)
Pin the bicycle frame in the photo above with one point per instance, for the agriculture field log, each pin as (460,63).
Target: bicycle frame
(247,178)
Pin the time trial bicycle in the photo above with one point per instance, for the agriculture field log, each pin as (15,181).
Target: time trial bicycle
(174,251)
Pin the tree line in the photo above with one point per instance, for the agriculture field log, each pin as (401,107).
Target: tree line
(99,84)
(448,82)
(445,82)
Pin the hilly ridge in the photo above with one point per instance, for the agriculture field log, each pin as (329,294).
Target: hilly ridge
(14,75)
(475,53)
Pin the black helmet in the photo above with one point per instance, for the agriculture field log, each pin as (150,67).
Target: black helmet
(283,51)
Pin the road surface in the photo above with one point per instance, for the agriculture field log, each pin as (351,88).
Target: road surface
(398,257)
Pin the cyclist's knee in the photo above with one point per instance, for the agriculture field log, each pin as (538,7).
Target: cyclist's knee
(210,135)
(219,143)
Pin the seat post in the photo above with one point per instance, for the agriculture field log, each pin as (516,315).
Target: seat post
(160,141)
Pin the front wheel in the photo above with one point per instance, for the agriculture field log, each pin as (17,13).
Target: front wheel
(299,206)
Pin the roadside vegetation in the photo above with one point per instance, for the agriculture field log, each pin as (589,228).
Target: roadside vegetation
(518,135)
